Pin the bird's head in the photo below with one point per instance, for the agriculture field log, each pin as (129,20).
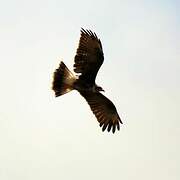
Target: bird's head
(98,88)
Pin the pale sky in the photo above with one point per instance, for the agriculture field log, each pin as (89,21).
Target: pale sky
(43,137)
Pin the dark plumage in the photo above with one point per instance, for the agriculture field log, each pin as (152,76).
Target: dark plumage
(88,59)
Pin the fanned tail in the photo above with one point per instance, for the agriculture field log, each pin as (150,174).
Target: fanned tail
(63,80)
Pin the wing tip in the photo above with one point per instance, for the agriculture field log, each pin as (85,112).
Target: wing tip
(89,33)
(110,127)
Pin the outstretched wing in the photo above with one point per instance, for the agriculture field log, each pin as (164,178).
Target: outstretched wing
(104,110)
(89,56)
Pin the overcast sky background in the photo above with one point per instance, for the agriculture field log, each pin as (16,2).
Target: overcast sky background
(42,137)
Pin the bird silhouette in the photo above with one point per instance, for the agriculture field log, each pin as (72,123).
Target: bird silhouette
(88,59)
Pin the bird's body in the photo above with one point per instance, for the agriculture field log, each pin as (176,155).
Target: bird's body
(89,58)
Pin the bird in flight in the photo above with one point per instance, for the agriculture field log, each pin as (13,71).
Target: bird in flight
(87,61)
